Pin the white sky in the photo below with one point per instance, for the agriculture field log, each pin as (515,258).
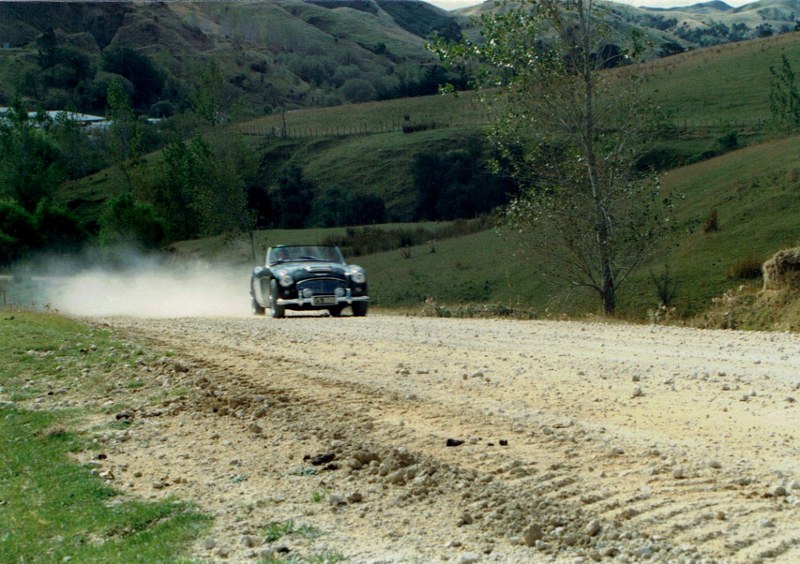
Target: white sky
(454,4)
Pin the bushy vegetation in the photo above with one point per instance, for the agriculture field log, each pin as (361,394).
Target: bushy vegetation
(361,241)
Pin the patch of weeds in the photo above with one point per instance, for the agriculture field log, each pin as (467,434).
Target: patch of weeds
(319,495)
(304,471)
(238,478)
(134,384)
(277,530)
(119,425)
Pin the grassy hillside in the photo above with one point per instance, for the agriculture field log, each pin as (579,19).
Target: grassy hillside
(755,193)
(724,85)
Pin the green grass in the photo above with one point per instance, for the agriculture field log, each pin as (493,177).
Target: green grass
(278,529)
(51,508)
(725,85)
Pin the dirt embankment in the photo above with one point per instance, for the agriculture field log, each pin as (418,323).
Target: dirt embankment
(413,439)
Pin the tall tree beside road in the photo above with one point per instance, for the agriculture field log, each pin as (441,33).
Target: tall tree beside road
(570,132)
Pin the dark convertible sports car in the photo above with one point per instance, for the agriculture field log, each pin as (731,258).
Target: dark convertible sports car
(308,277)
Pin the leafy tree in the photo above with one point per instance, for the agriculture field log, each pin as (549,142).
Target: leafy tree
(208,100)
(127,221)
(18,233)
(202,191)
(784,96)
(57,227)
(31,164)
(358,90)
(457,184)
(293,199)
(220,198)
(126,135)
(147,80)
(570,135)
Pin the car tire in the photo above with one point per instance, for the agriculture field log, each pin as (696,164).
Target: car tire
(257,308)
(335,311)
(360,309)
(277,312)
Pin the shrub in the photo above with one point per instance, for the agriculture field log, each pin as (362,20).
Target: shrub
(745,268)
(712,222)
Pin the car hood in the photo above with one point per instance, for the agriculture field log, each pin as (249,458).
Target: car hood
(303,270)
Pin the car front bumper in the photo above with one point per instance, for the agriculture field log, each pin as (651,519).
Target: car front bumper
(330,301)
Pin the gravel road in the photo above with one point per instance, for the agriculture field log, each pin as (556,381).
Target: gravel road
(406,439)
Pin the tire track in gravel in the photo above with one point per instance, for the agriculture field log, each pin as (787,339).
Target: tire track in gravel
(655,492)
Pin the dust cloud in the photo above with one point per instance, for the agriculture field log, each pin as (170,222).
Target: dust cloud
(128,283)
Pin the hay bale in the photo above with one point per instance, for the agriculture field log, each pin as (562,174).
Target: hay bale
(782,271)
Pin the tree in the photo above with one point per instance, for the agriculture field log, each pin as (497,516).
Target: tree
(126,135)
(31,165)
(784,96)
(126,220)
(147,80)
(570,135)
(202,191)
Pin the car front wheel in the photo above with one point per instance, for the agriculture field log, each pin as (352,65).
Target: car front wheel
(257,309)
(360,309)
(275,310)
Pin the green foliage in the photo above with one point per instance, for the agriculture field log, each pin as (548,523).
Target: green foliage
(746,268)
(784,96)
(201,190)
(30,163)
(361,241)
(277,530)
(336,207)
(208,100)
(18,234)
(58,228)
(128,221)
(456,184)
(711,224)
(293,199)
(126,135)
(147,80)
(562,137)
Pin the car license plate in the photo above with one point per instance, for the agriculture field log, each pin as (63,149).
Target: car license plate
(324,300)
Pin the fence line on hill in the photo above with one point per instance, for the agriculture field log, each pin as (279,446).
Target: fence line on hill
(682,126)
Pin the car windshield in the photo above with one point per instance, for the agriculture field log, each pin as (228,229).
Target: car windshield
(299,253)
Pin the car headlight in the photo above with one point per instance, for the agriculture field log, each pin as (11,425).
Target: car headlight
(358,276)
(285,279)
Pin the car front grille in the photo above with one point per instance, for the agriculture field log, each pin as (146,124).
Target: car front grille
(321,286)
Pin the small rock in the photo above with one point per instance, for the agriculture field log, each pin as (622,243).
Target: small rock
(209,544)
(637,392)
(249,541)
(780,491)
(465,519)
(336,500)
(532,534)
(468,558)
(355,497)
(454,442)
(593,528)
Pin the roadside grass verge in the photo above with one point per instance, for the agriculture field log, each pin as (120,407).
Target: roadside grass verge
(51,508)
